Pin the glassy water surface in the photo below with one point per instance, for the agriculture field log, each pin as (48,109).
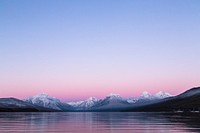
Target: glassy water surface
(98,122)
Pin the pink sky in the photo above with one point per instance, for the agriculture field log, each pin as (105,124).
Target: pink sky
(74,50)
(68,91)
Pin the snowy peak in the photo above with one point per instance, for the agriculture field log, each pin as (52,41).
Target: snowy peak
(75,104)
(92,99)
(158,95)
(162,94)
(146,95)
(131,100)
(16,105)
(46,101)
(113,96)
(42,97)
(88,103)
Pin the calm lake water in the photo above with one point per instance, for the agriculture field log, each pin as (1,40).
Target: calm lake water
(98,122)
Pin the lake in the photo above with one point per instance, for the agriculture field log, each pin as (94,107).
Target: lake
(98,122)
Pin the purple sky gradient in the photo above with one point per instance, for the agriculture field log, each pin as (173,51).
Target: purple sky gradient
(76,49)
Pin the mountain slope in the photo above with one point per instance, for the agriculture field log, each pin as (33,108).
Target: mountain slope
(146,97)
(187,101)
(46,101)
(16,105)
(84,105)
(111,102)
(114,102)
(162,95)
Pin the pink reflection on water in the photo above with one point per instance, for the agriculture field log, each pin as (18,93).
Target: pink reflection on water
(95,122)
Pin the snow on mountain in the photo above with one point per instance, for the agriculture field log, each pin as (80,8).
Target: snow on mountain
(91,102)
(158,95)
(162,95)
(143,98)
(114,97)
(132,100)
(75,104)
(46,101)
(13,104)
(88,103)
(111,100)
(147,95)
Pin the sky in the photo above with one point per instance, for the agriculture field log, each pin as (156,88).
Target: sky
(74,49)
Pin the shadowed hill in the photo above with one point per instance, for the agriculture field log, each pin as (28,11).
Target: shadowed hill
(187,101)
(16,105)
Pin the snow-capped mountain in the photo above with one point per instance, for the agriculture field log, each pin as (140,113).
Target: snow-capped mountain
(112,97)
(143,98)
(111,102)
(146,97)
(46,101)
(184,102)
(93,103)
(16,105)
(132,100)
(158,95)
(88,103)
(75,104)
(162,95)
(161,101)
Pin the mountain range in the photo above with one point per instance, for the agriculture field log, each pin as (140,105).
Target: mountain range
(46,101)
(161,101)
(92,103)
(189,101)
(16,105)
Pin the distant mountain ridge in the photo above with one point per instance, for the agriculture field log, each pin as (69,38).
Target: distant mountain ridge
(110,101)
(161,101)
(46,101)
(189,101)
(115,100)
(84,105)
(16,105)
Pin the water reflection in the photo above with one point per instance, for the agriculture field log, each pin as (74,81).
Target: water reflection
(97,122)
